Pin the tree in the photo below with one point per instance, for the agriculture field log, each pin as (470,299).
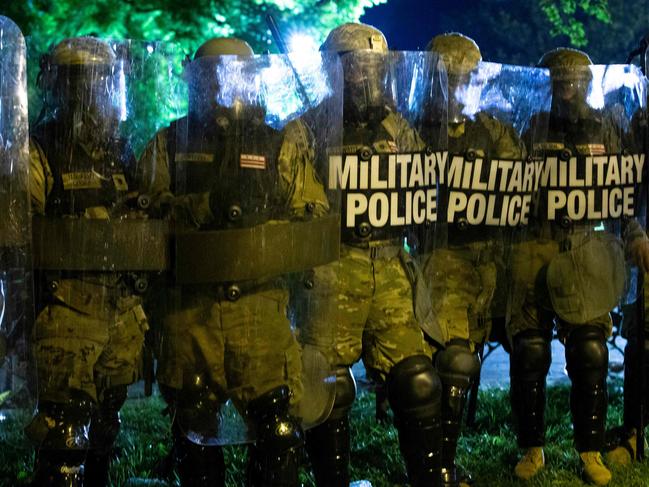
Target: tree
(188,23)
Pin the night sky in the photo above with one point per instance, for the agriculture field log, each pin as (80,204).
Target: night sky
(410,24)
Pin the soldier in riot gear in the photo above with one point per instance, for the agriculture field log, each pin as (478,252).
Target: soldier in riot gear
(548,268)
(375,320)
(462,262)
(222,170)
(88,335)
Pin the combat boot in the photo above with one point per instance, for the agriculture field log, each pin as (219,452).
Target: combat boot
(593,469)
(626,450)
(532,463)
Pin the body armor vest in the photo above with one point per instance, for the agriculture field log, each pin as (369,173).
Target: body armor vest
(234,160)
(84,176)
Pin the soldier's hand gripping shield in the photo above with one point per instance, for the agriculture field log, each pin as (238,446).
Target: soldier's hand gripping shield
(587,212)
(253,214)
(17,387)
(95,248)
(485,193)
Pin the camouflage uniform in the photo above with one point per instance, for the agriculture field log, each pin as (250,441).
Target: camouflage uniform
(373,309)
(224,340)
(88,336)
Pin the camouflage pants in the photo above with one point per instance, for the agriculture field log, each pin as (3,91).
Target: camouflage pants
(362,307)
(463,282)
(88,340)
(243,348)
(531,306)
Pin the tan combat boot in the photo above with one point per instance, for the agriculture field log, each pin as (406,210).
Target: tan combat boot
(532,463)
(593,469)
(625,452)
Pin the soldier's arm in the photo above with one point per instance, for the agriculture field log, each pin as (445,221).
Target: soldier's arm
(406,137)
(154,178)
(41,180)
(508,144)
(298,179)
(152,174)
(636,244)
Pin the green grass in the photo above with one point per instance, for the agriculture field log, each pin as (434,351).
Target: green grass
(488,451)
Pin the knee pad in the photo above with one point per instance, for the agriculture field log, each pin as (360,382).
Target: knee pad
(531,355)
(457,365)
(277,430)
(345,392)
(587,355)
(62,426)
(414,388)
(105,421)
(195,407)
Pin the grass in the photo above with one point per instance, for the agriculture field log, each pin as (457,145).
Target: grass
(488,451)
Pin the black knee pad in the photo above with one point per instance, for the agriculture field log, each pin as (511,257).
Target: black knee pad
(587,355)
(105,421)
(62,426)
(531,356)
(277,430)
(195,407)
(414,388)
(457,365)
(345,392)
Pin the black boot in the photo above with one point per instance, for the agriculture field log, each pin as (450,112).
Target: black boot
(198,465)
(457,367)
(414,393)
(59,468)
(275,457)
(328,443)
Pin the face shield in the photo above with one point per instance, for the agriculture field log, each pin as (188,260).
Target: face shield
(91,99)
(458,89)
(366,86)
(570,88)
(225,86)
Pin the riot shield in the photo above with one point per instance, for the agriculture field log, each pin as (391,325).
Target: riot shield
(17,388)
(96,245)
(572,264)
(253,216)
(486,192)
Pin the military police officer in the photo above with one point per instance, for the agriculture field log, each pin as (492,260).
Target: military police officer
(462,263)
(231,184)
(374,319)
(90,327)
(552,282)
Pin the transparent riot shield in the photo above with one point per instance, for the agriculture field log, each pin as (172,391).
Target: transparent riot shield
(387,171)
(572,263)
(486,192)
(17,388)
(97,244)
(253,215)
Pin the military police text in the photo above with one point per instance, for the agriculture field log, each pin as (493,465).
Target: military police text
(592,187)
(411,177)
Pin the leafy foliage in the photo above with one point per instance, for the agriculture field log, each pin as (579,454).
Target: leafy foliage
(565,17)
(188,23)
